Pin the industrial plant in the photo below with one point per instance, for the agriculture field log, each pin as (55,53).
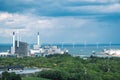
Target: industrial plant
(22,49)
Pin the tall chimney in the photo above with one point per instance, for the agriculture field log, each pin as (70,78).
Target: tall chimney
(18,39)
(13,42)
(13,39)
(38,42)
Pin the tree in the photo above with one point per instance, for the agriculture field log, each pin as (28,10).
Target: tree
(10,76)
(53,74)
(5,75)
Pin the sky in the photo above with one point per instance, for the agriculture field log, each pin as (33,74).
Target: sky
(68,21)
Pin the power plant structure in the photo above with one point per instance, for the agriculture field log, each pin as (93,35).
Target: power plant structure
(21,49)
(13,46)
(46,50)
(36,51)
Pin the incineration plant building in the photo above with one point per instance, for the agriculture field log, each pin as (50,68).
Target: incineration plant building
(21,49)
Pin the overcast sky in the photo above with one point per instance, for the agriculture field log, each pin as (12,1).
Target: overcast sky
(61,20)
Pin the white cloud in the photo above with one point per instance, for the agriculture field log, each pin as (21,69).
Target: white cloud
(111,8)
(97,1)
(71,19)
(103,1)
(4,16)
(30,24)
(71,28)
(12,22)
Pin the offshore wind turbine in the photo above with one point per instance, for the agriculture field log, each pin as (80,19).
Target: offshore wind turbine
(85,44)
(97,44)
(110,44)
(73,45)
(62,44)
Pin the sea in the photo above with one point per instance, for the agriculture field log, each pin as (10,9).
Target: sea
(76,49)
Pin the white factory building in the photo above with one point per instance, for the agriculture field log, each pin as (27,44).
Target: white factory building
(47,50)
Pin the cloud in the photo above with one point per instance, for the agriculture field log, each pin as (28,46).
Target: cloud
(60,8)
(96,9)
(32,23)
(26,23)
(70,28)
(102,1)
(58,21)
(49,27)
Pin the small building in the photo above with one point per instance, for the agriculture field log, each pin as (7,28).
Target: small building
(4,54)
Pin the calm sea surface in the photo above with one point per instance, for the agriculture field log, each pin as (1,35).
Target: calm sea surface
(76,49)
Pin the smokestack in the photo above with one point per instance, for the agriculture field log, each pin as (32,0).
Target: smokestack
(13,39)
(18,39)
(38,42)
(13,42)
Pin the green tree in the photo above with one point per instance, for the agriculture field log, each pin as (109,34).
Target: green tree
(5,75)
(10,76)
(53,74)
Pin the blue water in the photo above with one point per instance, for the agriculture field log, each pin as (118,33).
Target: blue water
(80,49)
(77,49)
(5,47)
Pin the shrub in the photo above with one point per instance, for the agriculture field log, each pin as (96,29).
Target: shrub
(53,74)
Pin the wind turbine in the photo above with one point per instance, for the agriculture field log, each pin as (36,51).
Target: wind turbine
(110,44)
(85,44)
(97,45)
(73,45)
(62,44)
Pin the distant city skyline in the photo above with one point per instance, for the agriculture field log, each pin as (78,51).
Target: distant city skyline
(57,21)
